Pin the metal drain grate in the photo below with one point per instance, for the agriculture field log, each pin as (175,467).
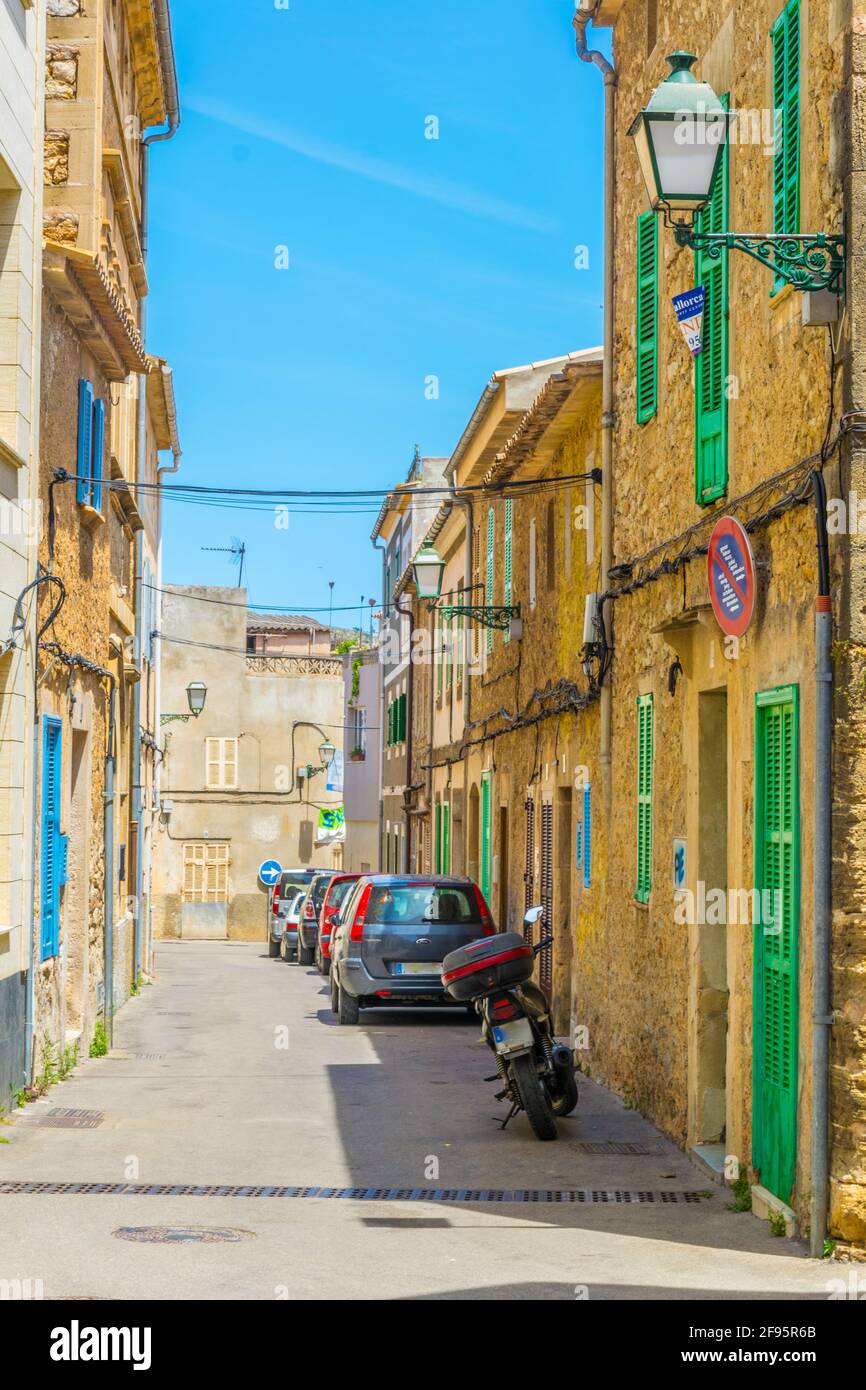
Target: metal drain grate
(183,1235)
(581,1196)
(59,1118)
(613,1147)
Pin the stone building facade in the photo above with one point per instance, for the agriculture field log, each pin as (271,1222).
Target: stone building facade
(109,77)
(230,796)
(706,1017)
(403,520)
(531,733)
(22,49)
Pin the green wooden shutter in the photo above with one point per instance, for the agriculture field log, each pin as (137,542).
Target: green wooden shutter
(446,837)
(507,565)
(644,797)
(785,38)
(439,641)
(437,840)
(488,588)
(485,833)
(646,336)
(776,941)
(401,707)
(711,365)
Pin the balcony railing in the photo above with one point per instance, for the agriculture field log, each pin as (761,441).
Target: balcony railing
(295,665)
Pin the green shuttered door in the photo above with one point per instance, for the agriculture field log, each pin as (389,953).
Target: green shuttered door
(644,797)
(646,386)
(485,834)
(711,365)
(776,948)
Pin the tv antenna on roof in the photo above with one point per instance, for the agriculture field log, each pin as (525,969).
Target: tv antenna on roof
(236,551)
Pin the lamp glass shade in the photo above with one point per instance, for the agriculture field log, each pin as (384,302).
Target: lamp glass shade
(196,694)
(327,752)
(428,568)
(679,138)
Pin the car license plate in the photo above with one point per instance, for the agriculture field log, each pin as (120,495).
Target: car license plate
(508,1037)
(417,967)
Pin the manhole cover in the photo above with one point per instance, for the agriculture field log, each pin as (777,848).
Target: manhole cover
(183,1235)
(59,1118)
(149,1056)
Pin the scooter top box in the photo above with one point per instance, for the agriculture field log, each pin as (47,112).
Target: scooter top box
(492,962)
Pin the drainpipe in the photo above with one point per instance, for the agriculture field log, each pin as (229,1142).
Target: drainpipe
(581,19)
(108,878)
(822,1013)
(382,548)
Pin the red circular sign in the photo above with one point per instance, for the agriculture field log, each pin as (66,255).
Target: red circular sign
(731,576)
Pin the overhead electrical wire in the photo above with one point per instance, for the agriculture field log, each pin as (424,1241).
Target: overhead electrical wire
(326,499)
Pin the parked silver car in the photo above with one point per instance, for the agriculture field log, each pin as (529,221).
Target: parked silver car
(290,913)
(279,899)
(391,936)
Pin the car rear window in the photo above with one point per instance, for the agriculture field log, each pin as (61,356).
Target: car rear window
(339,891)
(418,903)
(318,889)
(294,880)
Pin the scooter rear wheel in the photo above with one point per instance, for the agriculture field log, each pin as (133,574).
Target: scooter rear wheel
(533,1097)
(566,1101)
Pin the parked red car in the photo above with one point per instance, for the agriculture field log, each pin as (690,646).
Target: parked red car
(335,895)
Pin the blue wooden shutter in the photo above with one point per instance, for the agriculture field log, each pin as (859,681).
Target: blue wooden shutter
(50,867)
(587,835)
(98,440)
(711,365)
(785,38)
(84,455)
(646,333)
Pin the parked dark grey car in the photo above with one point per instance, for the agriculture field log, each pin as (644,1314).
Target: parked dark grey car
(392,934)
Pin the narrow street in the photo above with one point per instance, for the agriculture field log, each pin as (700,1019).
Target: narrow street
(201,1090)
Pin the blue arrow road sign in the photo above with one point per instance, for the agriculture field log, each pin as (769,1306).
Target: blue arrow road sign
(270,871)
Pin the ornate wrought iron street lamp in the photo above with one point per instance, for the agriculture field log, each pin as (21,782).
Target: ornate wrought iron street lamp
(428,568)
(196,694)
(679,138)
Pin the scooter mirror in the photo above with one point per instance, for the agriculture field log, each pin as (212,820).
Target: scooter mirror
(532,915)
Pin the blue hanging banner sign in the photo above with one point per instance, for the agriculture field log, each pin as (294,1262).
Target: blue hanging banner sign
(690,316)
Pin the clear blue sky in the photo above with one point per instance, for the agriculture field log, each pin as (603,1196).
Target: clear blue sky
(409,257)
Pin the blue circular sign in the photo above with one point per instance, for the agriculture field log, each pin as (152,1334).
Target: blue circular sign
(270,871)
